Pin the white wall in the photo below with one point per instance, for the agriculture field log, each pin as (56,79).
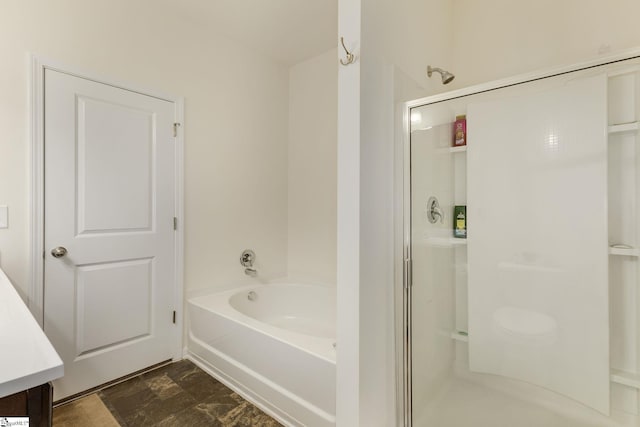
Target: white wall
(398,39)
(313,114)
(501,38)
(348,221)
(236,107)
(411,34)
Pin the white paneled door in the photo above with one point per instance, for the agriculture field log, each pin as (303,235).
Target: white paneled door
(109,235)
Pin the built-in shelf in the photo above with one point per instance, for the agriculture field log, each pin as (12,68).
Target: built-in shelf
(623,71)
(625,378)
(461,268)
(458,149)
(624,127)
(624,251)
(445,242)
(460,336)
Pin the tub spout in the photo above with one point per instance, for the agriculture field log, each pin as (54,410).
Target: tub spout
(251,272)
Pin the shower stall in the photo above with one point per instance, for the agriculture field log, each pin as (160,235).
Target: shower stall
(530,316)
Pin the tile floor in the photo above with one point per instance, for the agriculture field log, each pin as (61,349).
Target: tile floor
(179,394)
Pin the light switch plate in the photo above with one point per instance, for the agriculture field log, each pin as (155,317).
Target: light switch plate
(4,216)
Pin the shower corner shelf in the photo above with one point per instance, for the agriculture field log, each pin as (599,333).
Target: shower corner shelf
(624,127)
(625,378)
(458,149)
(460,336)
(624,251)
(445,242)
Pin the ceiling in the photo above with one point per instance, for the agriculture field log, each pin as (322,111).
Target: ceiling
(288,31)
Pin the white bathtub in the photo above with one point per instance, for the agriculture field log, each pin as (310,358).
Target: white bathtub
(272,343)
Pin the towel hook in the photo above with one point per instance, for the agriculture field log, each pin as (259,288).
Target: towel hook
(350,56)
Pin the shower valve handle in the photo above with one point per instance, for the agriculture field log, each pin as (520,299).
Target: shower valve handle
(247,258)
(434,212)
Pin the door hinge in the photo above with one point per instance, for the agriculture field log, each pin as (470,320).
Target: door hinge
(175,129)
(175,223)
(408,276)
(174,317)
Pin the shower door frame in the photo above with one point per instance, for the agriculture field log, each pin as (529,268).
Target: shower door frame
(403,258)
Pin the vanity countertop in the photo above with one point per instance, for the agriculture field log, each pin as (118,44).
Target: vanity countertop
(27,358)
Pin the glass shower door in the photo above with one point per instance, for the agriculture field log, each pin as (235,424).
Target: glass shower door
(438,183)
(512,320)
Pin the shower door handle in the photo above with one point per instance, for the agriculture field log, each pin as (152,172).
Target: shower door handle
(408,273)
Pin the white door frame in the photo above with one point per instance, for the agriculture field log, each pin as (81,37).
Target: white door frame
(36,111)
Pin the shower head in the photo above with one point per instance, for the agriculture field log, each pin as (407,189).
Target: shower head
(447,77)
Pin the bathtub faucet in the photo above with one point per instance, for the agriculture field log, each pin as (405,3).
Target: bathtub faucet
(250,272)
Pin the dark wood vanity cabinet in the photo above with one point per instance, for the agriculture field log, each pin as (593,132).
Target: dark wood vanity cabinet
(36,403)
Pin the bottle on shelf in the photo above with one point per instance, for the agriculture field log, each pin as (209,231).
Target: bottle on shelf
(460,222)
(460,131)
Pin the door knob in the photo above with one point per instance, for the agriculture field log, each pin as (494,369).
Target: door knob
(59,252)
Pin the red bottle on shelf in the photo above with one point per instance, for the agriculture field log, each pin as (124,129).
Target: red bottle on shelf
(460,131)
